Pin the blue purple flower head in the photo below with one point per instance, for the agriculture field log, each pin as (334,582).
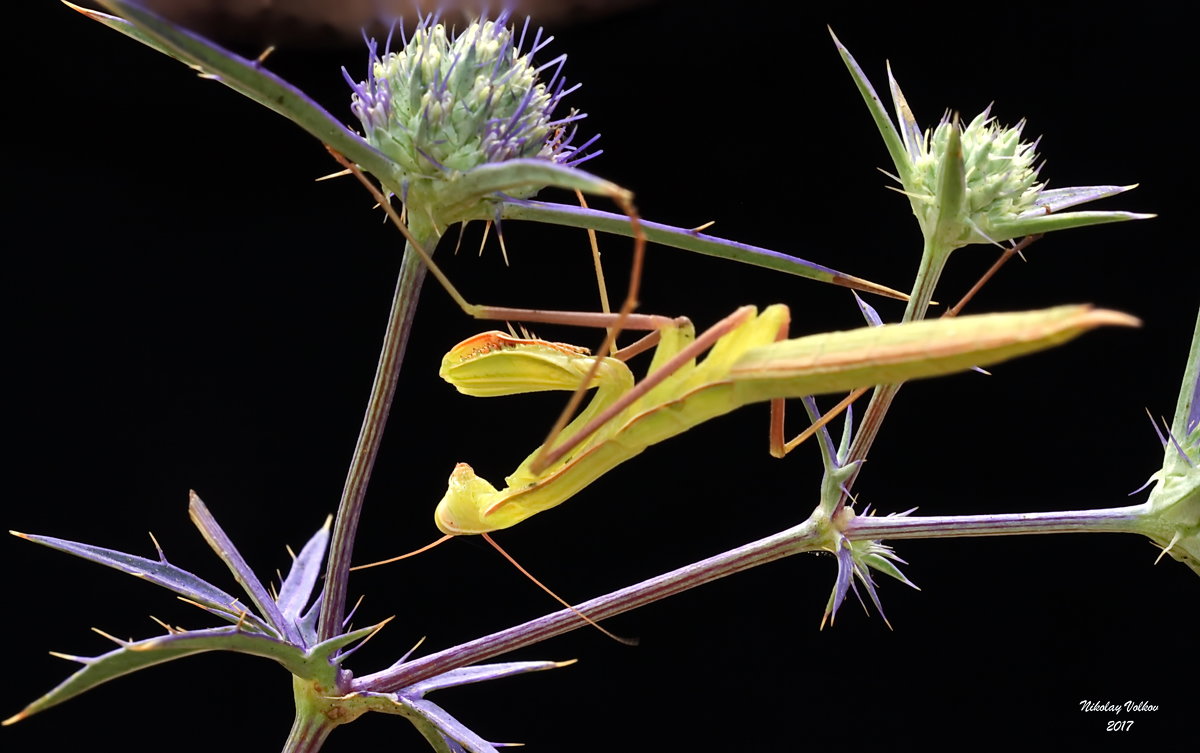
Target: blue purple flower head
(444,103)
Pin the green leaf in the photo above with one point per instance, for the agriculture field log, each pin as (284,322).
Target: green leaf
(247,77)
(688,240)
(887,130)
(950,196)
(314,664)
(1046,223)
(522,174)
(136,655)
(1057,199)
(126,28)
(910,132)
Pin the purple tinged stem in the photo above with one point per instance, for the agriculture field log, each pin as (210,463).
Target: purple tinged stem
(778,546)
(383,388)
(1114,519)
(742,251)
(308,734)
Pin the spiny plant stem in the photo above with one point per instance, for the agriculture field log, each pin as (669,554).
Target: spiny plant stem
(337,572)
(1113,519)
(308,734)
(933,261)
(808,536)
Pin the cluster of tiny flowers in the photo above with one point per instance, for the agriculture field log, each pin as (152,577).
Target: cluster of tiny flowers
(1001,179)
(445,104)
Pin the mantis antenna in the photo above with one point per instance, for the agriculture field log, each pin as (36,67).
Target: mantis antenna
(520,568)
(559,599)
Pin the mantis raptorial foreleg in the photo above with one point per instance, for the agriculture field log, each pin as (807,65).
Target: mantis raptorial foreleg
(614,323)
(625,318)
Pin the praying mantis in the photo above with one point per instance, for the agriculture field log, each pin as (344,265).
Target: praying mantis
(749,360)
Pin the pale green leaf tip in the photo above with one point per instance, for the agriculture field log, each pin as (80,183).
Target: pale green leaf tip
(85,11)
(114,22)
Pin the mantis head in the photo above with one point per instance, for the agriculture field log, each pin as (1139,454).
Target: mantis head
(467,499)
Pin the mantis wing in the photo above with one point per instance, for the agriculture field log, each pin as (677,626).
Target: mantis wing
(840,361)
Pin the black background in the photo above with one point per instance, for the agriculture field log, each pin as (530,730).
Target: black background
(188,309)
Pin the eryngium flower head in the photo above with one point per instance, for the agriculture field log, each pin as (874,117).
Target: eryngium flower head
(445,104)
(1000,178)
(974,185)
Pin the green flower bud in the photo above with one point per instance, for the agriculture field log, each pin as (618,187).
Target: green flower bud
(998,185)
(978,184)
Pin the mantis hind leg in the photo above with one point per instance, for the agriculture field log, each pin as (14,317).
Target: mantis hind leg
(780,447)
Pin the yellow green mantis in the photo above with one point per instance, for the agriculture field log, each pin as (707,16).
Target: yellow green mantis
(749,360)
